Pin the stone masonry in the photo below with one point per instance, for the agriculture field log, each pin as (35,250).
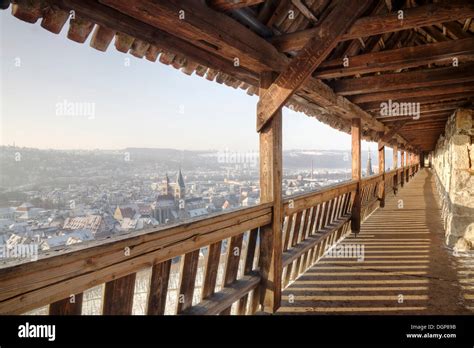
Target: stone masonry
(453,161)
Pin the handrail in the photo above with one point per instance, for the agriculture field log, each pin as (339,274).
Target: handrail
(312,222)
(371,179)
(301,201)
(55,277)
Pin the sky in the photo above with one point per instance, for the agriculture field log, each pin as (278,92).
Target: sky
(126,102)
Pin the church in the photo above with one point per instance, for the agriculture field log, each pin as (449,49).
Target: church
(171,203)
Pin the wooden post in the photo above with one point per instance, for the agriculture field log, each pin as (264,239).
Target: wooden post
(395,166)
(407,169)
(356,174)
(270,191)
(381,146)
(402,165)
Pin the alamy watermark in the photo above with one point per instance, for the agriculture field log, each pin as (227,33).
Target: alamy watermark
(19,251)
(391,108)
(237,157)
(69,108)
(346,251)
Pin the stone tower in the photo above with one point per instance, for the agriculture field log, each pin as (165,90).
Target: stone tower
(369,165)
(180,188)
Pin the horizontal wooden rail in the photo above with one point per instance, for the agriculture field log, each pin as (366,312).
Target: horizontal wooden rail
(298,203)
(56,276)
(223,299)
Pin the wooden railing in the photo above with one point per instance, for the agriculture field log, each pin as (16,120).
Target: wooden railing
(314,222)
(183,252)
(208,265)
(371,193)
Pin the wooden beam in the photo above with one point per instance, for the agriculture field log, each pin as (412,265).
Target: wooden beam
(271,153)
(356,174)
(426,92)
(394,130)
(206,28)
(305,11)
(217,302)
(407,57)
(301,67)
(406,80)
(419,16)
(228,5)
(122,23)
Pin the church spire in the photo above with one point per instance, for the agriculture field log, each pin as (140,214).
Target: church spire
(180,188)
(369,165)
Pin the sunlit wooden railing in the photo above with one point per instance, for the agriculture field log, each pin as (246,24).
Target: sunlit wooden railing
(314,222)
(207,281)
(209,265)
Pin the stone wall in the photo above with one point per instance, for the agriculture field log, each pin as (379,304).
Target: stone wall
(453,161)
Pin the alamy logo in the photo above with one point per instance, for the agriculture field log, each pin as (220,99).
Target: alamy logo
(19,251)
(231,157)
(37,331)
(346,251)
(68,108)
(391,108)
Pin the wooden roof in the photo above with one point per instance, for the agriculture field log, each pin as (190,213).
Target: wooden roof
(423,54)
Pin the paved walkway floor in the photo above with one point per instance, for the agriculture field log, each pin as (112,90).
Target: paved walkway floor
(406,268)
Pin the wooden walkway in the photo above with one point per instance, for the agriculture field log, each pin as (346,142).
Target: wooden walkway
(405,268)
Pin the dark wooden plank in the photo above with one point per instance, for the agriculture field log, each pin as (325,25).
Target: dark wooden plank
(212,267)
(232,265)
(188,279)
(118,296)
(160,274)
(248,267)
(69,306)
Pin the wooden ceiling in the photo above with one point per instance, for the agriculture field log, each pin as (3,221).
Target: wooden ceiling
(403,51)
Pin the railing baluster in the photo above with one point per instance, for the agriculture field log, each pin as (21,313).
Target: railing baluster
(160,275)
(249,259)
(188,278)
(118,296)
(69,306)
(294,240)
(212,266)
(232,266)
(304,235)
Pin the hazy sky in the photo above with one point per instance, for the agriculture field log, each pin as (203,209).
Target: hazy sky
(144,104)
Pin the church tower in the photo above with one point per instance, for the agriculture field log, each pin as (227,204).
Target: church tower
(166,190)
(369,165)
(180,188)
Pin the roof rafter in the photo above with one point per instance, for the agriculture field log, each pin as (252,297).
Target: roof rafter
(426,15)
(315,51)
